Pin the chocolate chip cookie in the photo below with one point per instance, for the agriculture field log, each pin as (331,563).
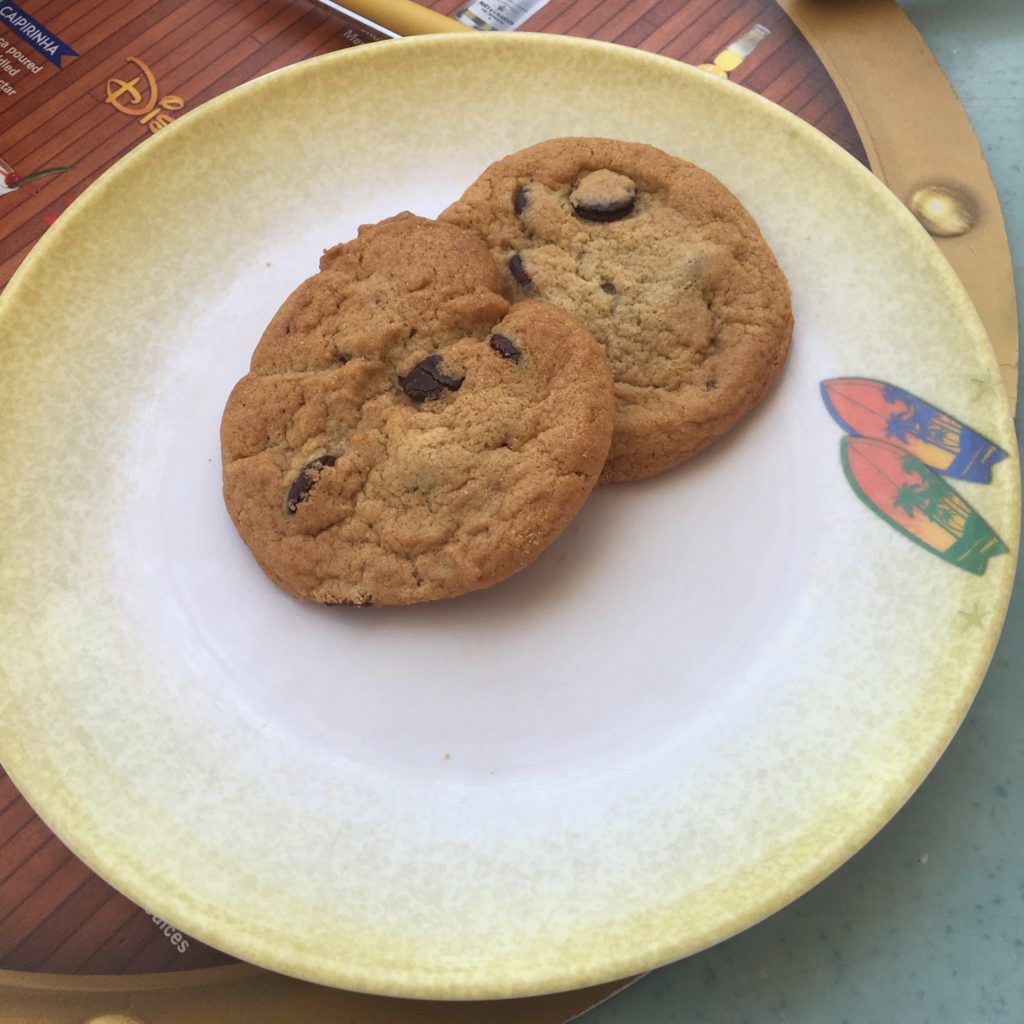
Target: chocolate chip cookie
(662,264)
(403,276)
(405,434)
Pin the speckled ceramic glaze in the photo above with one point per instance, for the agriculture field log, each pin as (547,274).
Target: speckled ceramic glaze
(717,686)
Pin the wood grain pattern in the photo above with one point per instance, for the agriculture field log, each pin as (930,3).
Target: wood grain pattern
(783,68)
(196,49)
(55,914)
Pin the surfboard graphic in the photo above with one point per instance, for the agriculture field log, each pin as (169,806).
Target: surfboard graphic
(919,503)
(874,409)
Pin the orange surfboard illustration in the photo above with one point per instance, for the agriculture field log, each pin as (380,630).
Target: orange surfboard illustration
(884,412)
(917,501)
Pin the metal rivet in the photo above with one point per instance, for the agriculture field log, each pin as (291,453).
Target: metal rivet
(945,211)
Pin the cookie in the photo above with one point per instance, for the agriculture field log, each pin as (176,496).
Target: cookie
(662,264)
(404,275)
(404,434)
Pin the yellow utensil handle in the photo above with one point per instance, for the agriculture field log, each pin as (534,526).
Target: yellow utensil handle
(404,17)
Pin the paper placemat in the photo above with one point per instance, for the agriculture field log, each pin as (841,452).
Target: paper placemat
(82,83)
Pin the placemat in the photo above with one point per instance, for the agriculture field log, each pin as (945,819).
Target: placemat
(81,83)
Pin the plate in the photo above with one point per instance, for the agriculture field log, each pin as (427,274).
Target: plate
(715,687)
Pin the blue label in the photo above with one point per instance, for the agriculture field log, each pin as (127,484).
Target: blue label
(36,35)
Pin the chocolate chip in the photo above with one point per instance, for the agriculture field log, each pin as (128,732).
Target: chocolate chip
(605,212)
(521,199)
(427,380)
(710,384)
(603,196)
(608,288)
(303,483)
(518,271)
(505,347)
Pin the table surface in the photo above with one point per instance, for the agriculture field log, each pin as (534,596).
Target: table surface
(926,924)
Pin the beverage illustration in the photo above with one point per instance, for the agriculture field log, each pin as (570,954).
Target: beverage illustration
(489,16)
(11,181)
(728,60)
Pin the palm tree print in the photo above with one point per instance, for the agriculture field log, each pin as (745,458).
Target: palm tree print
(932,496)
(892,458)
(872,408)
(928,425)
(909,499)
